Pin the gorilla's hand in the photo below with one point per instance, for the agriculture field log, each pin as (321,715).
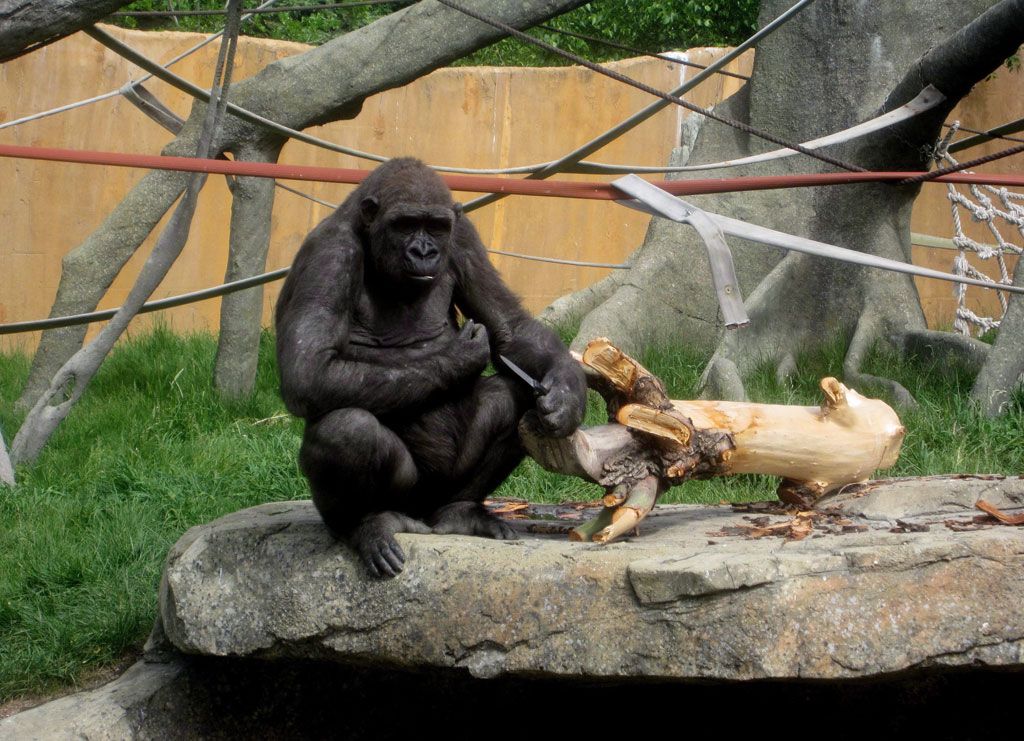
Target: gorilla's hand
(561,409)
(470,351)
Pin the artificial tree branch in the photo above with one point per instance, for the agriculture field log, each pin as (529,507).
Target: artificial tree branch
(27,25)
(241,313)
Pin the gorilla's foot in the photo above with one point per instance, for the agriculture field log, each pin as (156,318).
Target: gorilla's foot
(470,518)
(374,540)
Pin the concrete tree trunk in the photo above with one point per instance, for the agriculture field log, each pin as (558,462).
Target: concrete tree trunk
(835,64)
(1002,372)
(252,202)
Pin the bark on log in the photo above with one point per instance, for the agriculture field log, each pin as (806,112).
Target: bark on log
(657,443)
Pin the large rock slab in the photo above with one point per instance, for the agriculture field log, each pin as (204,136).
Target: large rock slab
(112,712)
(891,576)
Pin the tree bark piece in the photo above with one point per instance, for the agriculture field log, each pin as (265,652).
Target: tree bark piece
(627,379)
(652,446)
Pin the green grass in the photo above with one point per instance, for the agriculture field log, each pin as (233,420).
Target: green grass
(149,452)
(152,450)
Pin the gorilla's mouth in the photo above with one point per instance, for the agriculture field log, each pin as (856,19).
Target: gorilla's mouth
(422,278)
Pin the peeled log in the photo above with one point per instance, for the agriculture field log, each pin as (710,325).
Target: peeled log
(659,442)
(840,442)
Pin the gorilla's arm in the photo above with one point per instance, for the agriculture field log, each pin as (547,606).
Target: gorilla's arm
(483,296)
(314,316)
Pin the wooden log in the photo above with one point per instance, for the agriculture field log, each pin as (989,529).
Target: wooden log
(840,442)
(656,442)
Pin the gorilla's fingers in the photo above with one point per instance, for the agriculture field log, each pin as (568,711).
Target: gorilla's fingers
(394,556)
(560,410)
(412,525)
(375,542)
(503,530)
(470,518)
(385,569)
(471,349)
(378,556)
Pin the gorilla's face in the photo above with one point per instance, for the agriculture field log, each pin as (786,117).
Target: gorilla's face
(410,242)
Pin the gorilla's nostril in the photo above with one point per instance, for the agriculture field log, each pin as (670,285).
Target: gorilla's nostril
(423,251)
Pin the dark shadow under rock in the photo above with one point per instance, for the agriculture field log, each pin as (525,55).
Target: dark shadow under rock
(211,698)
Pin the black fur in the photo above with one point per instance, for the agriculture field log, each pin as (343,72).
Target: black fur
(401,429)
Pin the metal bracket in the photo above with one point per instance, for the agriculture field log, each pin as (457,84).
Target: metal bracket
(149,104)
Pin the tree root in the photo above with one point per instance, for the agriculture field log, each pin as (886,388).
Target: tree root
(722,380)
(864,337)
(785,370)
(569,310)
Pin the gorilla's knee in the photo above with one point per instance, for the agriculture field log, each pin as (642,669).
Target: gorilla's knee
(351,446)
(492,427)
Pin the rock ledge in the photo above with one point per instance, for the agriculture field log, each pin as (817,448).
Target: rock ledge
(897,575)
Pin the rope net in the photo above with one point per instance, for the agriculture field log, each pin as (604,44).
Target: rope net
(1000,210)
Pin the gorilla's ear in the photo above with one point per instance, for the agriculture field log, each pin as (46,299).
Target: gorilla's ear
(368,210)
(457,210)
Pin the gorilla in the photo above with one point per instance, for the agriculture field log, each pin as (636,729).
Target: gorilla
(403,433)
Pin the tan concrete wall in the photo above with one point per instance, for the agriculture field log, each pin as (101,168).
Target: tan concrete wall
(484,117)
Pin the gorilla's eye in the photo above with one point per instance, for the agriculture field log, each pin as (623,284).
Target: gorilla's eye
(405,224)
(439,226)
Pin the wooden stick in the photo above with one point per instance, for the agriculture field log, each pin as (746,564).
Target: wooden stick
(585,532)
(638,504)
